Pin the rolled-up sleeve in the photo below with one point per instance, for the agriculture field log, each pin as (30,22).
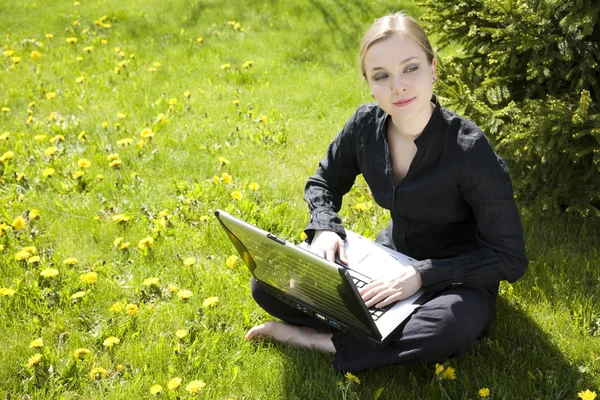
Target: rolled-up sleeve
(486,187)
(334,178)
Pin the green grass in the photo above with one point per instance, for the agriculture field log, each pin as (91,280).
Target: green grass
(302,86)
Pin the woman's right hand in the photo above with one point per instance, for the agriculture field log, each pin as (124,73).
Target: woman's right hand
(328,244)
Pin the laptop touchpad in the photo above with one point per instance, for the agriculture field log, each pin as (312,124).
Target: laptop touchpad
(375,267)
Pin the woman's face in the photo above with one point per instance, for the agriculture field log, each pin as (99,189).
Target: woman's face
(400,77)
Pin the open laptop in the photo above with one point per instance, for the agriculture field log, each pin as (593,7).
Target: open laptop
(325,290)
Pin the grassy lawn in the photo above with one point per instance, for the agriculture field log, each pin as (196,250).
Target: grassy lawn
(125,124)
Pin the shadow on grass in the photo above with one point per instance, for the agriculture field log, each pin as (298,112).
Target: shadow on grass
(516,360)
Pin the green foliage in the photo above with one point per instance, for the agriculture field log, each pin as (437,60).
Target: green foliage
(528,75)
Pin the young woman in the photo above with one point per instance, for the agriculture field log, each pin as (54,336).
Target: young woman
(450,200)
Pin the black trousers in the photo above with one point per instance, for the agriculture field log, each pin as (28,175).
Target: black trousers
(444,327)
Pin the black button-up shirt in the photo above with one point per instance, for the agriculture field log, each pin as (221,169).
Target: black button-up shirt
(454,210)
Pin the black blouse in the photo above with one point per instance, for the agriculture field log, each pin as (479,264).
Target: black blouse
(454,210)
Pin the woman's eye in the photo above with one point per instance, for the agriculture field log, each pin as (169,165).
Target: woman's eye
(412,68)
(380,77)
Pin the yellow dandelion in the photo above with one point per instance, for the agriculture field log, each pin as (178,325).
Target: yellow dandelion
(7,292)
(225,66)
(146,242)
(204,218)
(156,64)
(151,281)
(104,125)
(50,151)
(84,163)
(79,59)
(146,133)
(98,373)
(253,186)
(80,79)
(236,102)
(16,59)
(174,383)
(181,333)
(48,172)
(4,135)
(439,369)
(200,39)
(360,207)
(587,395)
(449,374)
(57,138)
(78,174)
(235,195)
(18,223)
(116,308)
(30,249)
(160,118)
(124,245)
(227,178)
(231,260)
(132,309)
(22,255)
(210,302)
(35,55)
(81,352)
(7,156)
(184,294)
(114,164)
(352,378)
(156,389)
(50,95)
(89,277)
(172,101)
(223,160)
(8,53)
(70,261)
(247,64)
(125,142)
(39,342)
(216,179)
(49,272)
(34,360)
(195,386)
(172,288)
(111,341)
(33,260)
(188,262)
(187,94)
(484,392)
(120,218)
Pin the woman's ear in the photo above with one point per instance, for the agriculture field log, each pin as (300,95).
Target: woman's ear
(434,70)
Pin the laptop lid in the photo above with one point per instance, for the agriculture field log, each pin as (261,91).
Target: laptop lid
(319,285)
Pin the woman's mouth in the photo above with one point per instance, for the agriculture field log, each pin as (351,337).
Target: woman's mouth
(402,103)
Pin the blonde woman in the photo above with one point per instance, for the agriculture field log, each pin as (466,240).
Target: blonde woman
(451,206)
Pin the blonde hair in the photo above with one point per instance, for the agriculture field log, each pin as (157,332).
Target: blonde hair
(387,26)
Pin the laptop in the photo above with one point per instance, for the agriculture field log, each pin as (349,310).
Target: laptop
(322,289)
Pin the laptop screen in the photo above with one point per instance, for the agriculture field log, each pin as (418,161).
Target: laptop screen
(295,272)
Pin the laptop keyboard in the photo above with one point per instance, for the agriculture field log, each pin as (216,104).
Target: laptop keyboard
(376,313)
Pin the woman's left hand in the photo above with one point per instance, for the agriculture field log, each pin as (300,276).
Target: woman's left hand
(389,289)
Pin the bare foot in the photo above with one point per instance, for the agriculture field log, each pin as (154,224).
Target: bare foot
(294,335)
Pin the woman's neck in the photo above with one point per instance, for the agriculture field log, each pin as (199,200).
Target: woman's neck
(412,129)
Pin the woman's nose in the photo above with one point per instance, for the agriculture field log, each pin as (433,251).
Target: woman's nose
(398,85)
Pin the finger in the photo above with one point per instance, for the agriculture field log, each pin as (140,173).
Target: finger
(379,297)
(330,255)
(370,286)
(343,256)
(391,299)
